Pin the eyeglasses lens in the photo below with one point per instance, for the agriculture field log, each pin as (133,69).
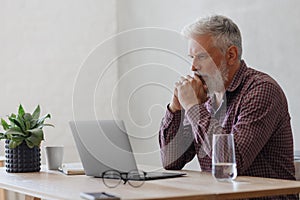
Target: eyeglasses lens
(136,178)
(111,179)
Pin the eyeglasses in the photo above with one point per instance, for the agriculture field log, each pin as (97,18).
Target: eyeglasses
(113,178)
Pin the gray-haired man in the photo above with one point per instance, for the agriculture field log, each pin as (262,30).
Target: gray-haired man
(225,96)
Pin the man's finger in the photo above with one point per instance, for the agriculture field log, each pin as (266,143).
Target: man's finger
(182,78)
(189,78)
(199,78)
(205,88)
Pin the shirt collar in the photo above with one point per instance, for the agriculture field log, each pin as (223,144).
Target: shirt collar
(238,77)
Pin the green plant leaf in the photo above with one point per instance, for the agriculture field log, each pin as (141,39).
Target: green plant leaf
(21,111)
(33,123)
(42,119)
(36,113)
(33,140)
(18,138)
(21,122)
(37,132)
(27,119)
(4,124)
(36,137)
(27,125)
(15,131)
(29,144)
(13,144)
(12,116)
(2,136)
(43,125)
(15,122)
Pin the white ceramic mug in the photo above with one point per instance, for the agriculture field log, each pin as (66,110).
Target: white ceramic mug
(54,156)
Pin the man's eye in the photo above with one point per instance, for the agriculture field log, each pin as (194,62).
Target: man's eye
(199,56)
(202,56)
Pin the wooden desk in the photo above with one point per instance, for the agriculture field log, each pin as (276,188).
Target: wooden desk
(196,185)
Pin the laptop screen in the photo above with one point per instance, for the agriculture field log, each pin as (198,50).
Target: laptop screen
(103,145)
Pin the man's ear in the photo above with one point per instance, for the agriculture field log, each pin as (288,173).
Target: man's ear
(232,55)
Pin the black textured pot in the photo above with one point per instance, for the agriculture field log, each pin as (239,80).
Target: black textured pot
(22,158)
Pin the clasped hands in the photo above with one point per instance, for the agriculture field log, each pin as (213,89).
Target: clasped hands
(188,92)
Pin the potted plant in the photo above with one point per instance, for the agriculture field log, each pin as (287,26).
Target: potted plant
(23,136)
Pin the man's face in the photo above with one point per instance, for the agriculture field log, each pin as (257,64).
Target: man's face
(209,62)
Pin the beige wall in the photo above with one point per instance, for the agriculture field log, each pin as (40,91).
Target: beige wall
(43,44)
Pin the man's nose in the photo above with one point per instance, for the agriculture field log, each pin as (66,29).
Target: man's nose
(193,68)
(195,65)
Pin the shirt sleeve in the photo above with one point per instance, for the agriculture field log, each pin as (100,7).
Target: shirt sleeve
(176,141)
(256,122)
(204,125)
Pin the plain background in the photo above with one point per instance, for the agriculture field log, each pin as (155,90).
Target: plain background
(45,47)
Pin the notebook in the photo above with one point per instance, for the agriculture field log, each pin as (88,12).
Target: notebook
(104,145)
(72,168)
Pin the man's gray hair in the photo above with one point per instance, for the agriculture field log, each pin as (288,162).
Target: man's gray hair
(223,30)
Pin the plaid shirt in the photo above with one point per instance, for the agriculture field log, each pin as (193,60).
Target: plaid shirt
(254,109)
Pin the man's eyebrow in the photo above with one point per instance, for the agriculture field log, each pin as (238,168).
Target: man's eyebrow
(197,54)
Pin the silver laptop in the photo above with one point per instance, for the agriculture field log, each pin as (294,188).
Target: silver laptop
(104,145)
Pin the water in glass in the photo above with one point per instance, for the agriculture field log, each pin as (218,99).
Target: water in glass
(224,171)
(223,157)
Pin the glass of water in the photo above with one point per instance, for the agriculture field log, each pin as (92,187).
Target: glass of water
(223,157)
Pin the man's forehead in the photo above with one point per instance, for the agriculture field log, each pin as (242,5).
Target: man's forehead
(201,42)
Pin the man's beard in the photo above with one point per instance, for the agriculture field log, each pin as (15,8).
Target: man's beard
(215,82)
